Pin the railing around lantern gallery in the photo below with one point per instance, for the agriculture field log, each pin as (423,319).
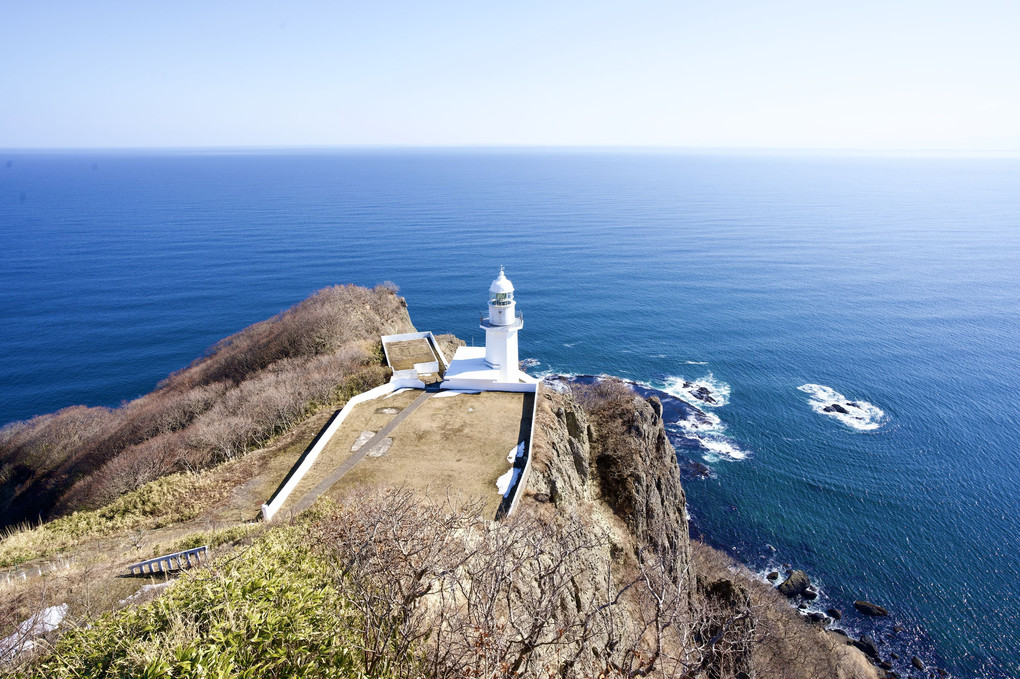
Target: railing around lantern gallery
(518,319)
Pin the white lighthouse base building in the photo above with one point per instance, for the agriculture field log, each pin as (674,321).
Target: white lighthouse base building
(496,365)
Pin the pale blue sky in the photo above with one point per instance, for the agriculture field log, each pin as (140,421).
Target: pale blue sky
(779,74)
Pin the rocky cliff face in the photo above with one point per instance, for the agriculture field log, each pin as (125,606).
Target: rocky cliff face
(601,456)
(619,455)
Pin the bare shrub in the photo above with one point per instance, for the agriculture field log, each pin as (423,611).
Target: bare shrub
(609,403)
(246,390)
(527,596)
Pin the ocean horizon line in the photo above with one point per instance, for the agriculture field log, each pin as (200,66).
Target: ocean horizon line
(525,149)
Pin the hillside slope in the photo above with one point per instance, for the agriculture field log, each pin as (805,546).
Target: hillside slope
(247,389)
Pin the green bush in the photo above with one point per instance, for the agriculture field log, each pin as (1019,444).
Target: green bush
(168,500)
(273,612)
(212,538)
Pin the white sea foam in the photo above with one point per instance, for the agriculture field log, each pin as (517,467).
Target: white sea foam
(696,362)
(699,423)
(529,363)
(685,390)
(859,415)
(719,447)
(558,382)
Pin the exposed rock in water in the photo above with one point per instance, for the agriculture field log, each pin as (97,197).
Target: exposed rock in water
(794,585)
(866,644)
(774,575)
(810,594)
(835,613)
(868,608)
(836,408)
(918,663)
(692,469)
(701,393)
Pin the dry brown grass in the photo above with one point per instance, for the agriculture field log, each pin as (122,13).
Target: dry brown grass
(403,355)
(455,443)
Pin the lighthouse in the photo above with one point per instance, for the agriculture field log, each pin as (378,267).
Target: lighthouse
(493,367)
(501,329)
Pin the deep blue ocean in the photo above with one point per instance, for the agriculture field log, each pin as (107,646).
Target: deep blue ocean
(783,283)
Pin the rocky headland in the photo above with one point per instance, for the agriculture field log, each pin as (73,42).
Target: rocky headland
(595,575)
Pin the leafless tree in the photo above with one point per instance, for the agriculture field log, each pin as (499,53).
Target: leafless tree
(526,596)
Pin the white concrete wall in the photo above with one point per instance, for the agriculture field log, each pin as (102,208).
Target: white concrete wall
(432,367)
(486,385)
(522,485)
(269,510)
(427,335)
(439,352)
(495,347)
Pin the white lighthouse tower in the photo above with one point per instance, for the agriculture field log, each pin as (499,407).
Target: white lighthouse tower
(501,329)
(493,367)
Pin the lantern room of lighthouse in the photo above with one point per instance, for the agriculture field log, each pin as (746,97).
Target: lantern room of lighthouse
(501,329)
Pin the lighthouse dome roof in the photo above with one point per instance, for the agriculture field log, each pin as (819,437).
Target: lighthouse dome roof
(501,284)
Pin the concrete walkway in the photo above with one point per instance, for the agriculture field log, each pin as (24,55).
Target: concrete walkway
(348,464)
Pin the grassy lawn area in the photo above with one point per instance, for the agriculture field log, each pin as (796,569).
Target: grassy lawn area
(403,355)
(451,443)
(368,416)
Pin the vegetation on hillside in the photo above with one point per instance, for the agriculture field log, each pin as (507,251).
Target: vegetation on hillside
(392,584)
(172,499)
(247,389)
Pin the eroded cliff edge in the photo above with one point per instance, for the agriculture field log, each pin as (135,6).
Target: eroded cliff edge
(601,453)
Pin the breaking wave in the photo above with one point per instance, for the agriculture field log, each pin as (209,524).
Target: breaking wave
(859,415)
(719,447)
(698,421)
(692,430)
